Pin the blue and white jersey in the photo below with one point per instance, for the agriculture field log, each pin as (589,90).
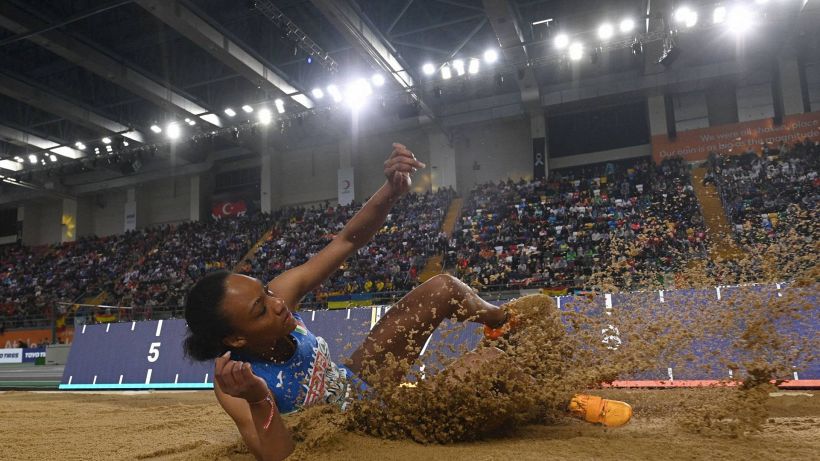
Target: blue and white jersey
(308,377)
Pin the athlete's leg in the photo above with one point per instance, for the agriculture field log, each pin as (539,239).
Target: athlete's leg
(404,329)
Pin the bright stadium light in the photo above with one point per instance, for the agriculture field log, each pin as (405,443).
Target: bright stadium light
(280,106)
(605,31)
(230,112)
(739,19)
(79,145)
(106,140)
(173,131)
(156,129)
(318,93)
(458,65)
(247,109)
(357,92)
(428,69)
(377,79)
(686,16)
(18,159)
(626,26)
(334,92)
(490,56)
(264,116)
(125,144)
(576,51)
(32,159)
(445,72)
(561,41)
(719,15)
(52,157)
(472,67)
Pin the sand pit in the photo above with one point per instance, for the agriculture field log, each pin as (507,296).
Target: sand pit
(189,425)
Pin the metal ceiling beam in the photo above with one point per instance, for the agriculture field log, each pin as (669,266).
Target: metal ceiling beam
(218,45)
(367,39)
(399,16)
(511,39)
(50,102)
(439,25)
(21,138)
(67,47)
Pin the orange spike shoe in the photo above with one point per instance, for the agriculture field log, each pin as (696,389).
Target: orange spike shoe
(505,329)
(598,410)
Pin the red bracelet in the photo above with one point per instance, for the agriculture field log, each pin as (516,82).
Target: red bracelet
(268,398)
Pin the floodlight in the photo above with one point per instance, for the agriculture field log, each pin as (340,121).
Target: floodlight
(32,159)
(605,31)
(80,145)
(18,159)
(125,144)
(627,25)
(739,19)
(357,93)
(445,72)
(472,67)
(280,106)
(561,41)
(52,157)
(377,79)
(318,93)
(458,65)
(156,129)
(686,16)
(333,91)
(264,116)
(247,109)
(428,69)
(106,140)
(719,15)
(230,112)
(490,56)
(173,131)
(576,51)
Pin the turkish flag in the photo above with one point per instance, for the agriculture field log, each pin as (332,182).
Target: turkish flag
(223,209)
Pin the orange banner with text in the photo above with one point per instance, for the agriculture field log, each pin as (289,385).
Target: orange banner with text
(736,138)
(12,338)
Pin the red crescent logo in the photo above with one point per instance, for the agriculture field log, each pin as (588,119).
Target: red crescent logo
(226,208)
(346,184)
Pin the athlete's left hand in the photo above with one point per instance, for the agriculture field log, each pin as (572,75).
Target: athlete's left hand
(398,168)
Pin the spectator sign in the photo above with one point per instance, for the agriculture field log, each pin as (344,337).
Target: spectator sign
(736,138)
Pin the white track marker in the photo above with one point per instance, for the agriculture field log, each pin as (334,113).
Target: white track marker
(176,378)
(348,314)
(206,377)
(558,302)
(94,381)
(83,329)
(159,327)
(779,294)
(120,381)
(69,379)
(671,376)
(107,326)
(731,374)
(426,343)
(133,324)
(717,289)
(312,316)
(148,376)
(796,378)
(608,303)
(660,295)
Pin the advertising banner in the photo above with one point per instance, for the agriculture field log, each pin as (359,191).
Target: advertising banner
(11,355)
(346,186)
(33,353)
(130,216)
(736,138)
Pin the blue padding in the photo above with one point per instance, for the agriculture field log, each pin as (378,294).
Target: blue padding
(86,387)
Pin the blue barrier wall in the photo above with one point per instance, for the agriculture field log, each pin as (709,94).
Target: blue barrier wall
(148,355)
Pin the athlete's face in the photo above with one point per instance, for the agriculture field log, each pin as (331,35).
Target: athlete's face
(257,316)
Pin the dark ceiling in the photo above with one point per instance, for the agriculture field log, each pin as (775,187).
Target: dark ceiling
(421,31)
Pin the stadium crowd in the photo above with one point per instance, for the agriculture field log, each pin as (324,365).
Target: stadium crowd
(390,262)
(761,191)
(560,231)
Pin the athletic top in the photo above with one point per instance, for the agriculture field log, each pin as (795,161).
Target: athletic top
(308,377)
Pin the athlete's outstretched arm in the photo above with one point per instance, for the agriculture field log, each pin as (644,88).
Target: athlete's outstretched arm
(292,285)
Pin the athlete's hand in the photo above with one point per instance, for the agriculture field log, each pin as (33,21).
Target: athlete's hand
(398,168)
(236,379)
